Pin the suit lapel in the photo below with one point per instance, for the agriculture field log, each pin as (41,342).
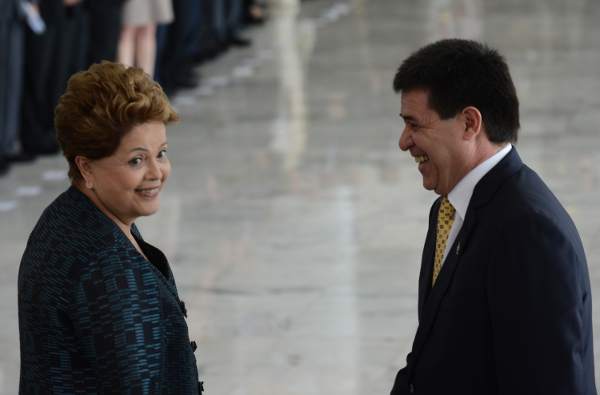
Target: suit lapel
(436,293)
(427,259)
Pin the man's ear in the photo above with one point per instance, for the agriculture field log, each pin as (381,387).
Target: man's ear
(85,169)
(473,122)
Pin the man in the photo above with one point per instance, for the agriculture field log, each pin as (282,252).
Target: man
(504,293)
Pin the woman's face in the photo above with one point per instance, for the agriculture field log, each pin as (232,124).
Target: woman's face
(127,184)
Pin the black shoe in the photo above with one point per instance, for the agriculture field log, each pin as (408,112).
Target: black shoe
(4,166)
(210,51)
(256,15)
(46,144)
(239,41)
(187,80)
(169,89)
(21,157)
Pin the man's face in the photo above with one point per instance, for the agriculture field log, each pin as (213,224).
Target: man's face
(438,146)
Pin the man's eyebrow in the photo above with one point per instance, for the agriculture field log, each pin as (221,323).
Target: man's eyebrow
(408,118)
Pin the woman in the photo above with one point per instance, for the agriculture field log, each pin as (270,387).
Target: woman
(137,44)
(98,306)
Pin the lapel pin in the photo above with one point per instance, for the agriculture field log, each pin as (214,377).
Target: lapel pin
(458,248)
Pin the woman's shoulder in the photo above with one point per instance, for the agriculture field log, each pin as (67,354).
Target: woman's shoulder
(71,226)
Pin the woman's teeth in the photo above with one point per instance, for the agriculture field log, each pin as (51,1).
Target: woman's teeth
(151,192)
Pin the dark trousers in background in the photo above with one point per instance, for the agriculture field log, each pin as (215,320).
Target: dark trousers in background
(228,18)
(104,20)
(176,43)
(11,75)
(51,58)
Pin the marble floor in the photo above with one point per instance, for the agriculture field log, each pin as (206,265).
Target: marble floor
(293,223)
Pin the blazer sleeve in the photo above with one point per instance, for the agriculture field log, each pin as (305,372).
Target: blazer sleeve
(536,293)
(117,319)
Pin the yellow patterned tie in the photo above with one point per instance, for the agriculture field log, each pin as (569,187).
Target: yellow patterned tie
(444,224)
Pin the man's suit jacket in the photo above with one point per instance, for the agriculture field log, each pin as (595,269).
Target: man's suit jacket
(96,317)
(511,310)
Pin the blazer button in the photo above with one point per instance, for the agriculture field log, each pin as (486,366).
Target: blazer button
(411,388)
(193,345)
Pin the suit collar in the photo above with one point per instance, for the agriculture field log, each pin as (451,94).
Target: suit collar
(461,194)
(489,184)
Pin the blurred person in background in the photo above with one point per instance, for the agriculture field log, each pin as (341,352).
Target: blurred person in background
(229,21)
(137,44)
(50,59)
(104,29)
(202,30)
(99,310)
(175,68)
(11,76)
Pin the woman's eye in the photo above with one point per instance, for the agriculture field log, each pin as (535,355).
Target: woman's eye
(135,161)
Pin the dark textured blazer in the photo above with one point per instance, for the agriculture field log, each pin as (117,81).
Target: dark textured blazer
(96,317)
(511,311)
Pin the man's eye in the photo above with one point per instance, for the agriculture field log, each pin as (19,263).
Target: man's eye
(162,153)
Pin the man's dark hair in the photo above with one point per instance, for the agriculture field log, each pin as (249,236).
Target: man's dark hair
(460,73)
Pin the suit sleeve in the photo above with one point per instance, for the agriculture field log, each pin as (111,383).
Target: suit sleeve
(536,294)
(401,382)
(117,319)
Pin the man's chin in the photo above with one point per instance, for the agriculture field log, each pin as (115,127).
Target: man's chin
(428,185)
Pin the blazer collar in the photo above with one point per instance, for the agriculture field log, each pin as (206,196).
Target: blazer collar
(93,219)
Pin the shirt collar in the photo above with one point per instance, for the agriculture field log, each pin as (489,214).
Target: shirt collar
(460,196)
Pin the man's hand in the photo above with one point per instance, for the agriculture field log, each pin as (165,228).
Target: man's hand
(71,3)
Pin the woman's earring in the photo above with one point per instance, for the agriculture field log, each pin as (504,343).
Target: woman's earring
(89,185)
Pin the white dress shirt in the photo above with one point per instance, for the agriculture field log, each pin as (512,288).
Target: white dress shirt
(460,196)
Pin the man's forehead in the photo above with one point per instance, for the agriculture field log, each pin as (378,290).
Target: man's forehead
(414,101)
(414,97)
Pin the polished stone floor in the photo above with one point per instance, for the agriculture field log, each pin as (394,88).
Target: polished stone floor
(293,223)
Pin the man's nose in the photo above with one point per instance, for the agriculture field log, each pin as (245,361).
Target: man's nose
(405,140)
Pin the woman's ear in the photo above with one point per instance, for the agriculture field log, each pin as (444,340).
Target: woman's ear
(473,122)
(85,169)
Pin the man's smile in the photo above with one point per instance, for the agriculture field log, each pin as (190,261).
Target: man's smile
(421,159)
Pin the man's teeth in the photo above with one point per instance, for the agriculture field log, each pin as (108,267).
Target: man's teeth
(421,158)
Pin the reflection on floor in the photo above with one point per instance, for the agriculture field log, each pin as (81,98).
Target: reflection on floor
(293,224)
